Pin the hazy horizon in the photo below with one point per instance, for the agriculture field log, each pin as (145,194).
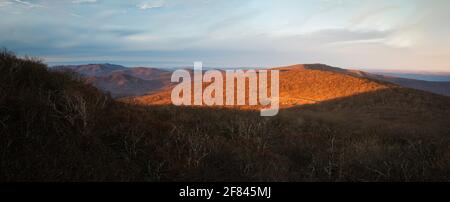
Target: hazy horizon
(185,65)
(400,35)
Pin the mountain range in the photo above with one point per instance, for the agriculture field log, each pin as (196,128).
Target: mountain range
(335,125)
(154,84)
(121,81)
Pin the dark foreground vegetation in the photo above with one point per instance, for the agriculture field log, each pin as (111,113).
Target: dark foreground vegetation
(53,127)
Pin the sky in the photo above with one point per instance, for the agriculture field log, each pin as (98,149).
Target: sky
(410,35)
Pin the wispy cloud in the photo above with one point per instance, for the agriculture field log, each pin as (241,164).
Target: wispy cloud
(400,33)
(28,4)
(151,5)
(84,1)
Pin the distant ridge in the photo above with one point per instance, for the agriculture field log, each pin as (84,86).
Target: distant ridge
(92,69)
(141,81)
(121,81)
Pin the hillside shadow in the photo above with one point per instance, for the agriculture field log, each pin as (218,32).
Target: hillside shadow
(396,98)
(398,108)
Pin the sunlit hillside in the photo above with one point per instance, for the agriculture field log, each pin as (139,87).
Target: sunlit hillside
(299,84)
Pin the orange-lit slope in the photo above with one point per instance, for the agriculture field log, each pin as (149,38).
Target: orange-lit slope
(299,84)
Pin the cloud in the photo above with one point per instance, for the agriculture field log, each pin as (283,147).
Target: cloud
(84,1)
(151,5)
(339,32)
(29,4)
